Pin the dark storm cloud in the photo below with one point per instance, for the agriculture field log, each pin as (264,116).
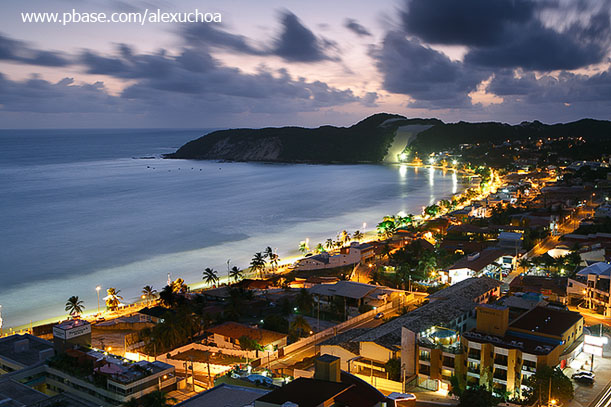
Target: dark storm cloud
(356,28)
(508,33)
(208,36)
(297,43)
(535,47)
(430,77)
(18,51)
(471,22)
(565,87)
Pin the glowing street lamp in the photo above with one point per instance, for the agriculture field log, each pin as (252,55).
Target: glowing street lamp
(98,288)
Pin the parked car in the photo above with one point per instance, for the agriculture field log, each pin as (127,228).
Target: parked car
(584,380)
(379,315)
(583,373)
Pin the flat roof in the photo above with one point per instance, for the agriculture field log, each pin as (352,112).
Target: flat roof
(545,320)
(71,323)
(470,288)
(305,392)
(13,393)
(225,395)
(235,330)
(348,289)
(28,357)
(487,256)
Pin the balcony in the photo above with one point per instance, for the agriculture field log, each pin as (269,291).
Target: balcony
(445,339)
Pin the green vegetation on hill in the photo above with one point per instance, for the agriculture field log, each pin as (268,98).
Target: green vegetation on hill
(369,140)
(366,141)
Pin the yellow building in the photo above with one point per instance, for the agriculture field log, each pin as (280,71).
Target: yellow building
(500,354)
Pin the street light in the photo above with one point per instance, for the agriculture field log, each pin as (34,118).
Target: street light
(98,288)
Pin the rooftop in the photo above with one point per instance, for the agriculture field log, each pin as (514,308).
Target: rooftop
(509,341)
(470,288)
(348,289)
(15,394)
(600,269)
(345,341)
(480,260)
(225,395)
(305,392)
(235,330)
(546,320)
(25,350)
(71,323)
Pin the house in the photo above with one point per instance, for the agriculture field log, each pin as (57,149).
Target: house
(494,262)
(350,255)
(511,240)
(154,314)
(552,288)
(225,395)
(354,294)
(228,334)
(330,386)
(596,289)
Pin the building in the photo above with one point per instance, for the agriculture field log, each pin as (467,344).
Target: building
(18,352)
(354,295)
(225,395)
(329,387)
(438,324)
(596,292)
(495,262)
(430,336)
(501,353)
(552,288)
(351,255)
(83,373)
(228,334)
(72,333)
(511,240)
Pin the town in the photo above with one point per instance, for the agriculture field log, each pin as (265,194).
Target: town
(498,294)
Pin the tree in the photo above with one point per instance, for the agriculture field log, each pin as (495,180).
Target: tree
(113,299)
(299,327)
(431,210)
(149,293)
(168,297)
(561,386)
(74,306)
(236,273)
(319,248)
(303,247)
(304,301)
(257,264)
(210,276)
(393,369)
(329,244)
(477,397)
(343,237)
(357,235)
(276,322)
(247,343)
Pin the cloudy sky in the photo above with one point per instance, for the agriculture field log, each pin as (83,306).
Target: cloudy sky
(306,63)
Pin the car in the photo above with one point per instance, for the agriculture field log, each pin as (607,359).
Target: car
(583,373)
(584,380)
(379,315)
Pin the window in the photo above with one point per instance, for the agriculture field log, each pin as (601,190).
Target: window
(424,369)
(425,355)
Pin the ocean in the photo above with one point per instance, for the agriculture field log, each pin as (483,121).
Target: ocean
(81,208)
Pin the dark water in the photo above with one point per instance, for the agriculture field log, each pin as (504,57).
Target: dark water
(77,210)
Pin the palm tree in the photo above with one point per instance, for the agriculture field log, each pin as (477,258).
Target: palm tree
(357,235)
(235,273)
(257,264)
(149,293)
(300,327)
(74,306)
(319,248)
(113,299)
(274,261)
(343,237)
(329,244)
(210,276)
(268,253)
(303,247)
(304,301)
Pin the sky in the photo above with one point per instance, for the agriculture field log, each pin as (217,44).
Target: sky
(274,63)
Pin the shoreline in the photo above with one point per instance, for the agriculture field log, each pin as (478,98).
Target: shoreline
(199,284)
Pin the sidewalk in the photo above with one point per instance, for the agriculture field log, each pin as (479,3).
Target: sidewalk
(585,395)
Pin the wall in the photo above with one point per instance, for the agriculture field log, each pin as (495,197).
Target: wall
(373,351)
(336,350)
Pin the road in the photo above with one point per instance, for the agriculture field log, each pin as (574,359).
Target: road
(310,350)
